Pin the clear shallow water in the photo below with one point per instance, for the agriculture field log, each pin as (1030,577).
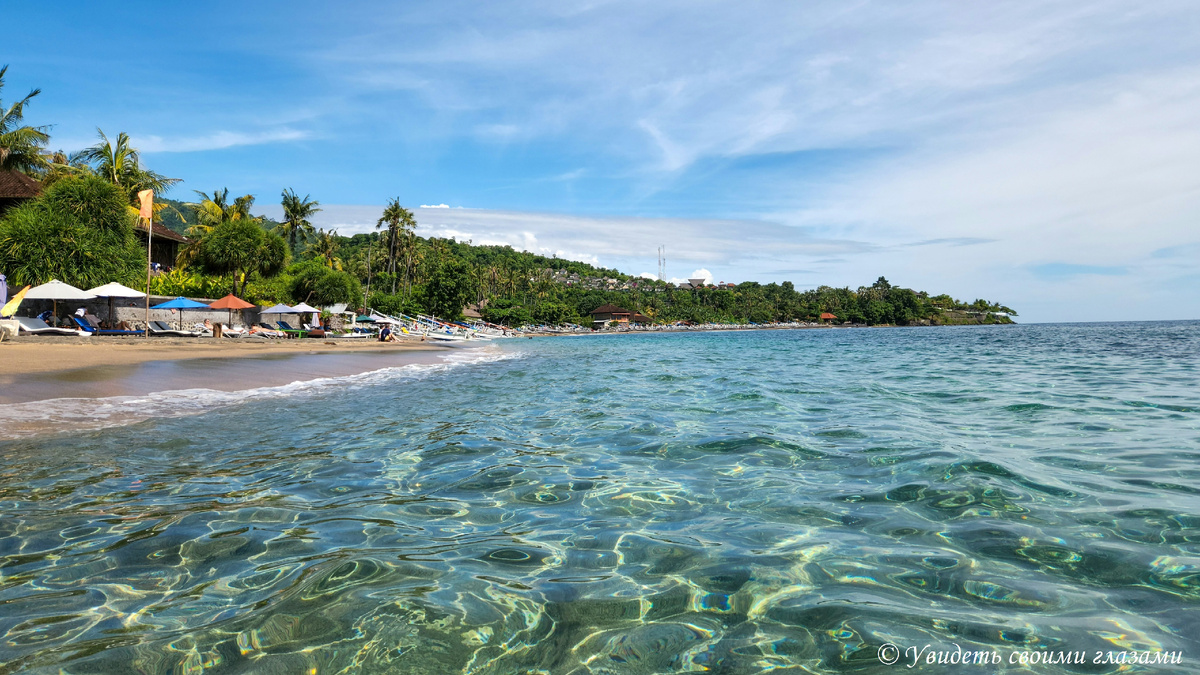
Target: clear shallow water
(736,502)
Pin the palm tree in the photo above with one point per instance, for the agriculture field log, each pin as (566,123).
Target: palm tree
(400,223)
(20,145)
(296,212)
(60,165)
(214,209)
(325,249)
(211,211)
(120,164)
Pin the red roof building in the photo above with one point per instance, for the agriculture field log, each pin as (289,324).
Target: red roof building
(606,313)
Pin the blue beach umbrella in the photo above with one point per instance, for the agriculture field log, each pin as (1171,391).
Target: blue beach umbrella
(181,303)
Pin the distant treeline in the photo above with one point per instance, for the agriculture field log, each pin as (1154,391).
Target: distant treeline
(517,288)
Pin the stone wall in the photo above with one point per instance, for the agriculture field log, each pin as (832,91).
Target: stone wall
(133,312)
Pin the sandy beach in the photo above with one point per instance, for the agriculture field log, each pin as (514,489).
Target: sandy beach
(37,368)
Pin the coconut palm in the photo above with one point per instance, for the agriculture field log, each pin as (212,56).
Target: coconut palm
(296,212)
(120,164)
(399,222)
(20,145)
(214,209)
(325,249)
(60,165)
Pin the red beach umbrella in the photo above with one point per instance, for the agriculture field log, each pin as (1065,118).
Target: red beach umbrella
(231,302)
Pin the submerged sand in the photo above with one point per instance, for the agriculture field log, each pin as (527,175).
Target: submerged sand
(36,368)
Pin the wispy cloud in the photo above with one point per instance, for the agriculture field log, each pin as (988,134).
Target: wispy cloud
(696,240)
(953,241)
(215,141)
(1058,271)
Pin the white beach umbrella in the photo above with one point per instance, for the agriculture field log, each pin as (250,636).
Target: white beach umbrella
(56,290)
(305,308)
(115,290)
(278,309)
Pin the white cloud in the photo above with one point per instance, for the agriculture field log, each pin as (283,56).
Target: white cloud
(702,274)
(435,206)
(647,275)
(605,239)
(215,141)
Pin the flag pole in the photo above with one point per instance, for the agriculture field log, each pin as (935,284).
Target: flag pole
(149,236)
(146,211)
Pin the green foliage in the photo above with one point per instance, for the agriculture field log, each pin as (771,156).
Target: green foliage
(190,283)
(268,290)
(507,311)
(553,313)
(395,303)
(448,288)
(20,144)
(79,232)
(241,248)
(318,285)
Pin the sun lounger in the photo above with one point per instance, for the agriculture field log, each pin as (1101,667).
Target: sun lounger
(285,327)
(163,329)
(39,327)
(88,327)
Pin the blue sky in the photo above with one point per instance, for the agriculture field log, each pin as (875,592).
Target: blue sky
(1043,156)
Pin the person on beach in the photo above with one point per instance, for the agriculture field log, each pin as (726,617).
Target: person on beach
(385,335)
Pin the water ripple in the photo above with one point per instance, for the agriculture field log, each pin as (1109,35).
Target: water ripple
(727,502)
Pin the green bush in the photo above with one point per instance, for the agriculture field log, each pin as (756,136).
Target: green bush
(191,284)
(79,231)
(318,285)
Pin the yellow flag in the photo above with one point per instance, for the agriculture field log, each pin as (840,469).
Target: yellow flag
(146,197)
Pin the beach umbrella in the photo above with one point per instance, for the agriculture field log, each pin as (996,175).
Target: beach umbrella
(57,290)
(364,319)
(231,302)
(277,309)
(305,308)
(181,303)
(115,290)
(11,306)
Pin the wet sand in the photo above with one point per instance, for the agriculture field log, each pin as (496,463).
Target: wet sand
(38,368)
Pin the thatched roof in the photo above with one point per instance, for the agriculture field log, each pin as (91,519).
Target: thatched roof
(163,232)
(16,185)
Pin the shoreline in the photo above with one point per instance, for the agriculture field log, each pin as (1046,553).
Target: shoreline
(45,368)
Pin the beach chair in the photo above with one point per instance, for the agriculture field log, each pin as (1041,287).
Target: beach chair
(39,327)
(163,329)
(267,330)
(285,327)
(94,330)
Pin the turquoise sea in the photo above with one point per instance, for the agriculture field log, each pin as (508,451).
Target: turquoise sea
(728,502)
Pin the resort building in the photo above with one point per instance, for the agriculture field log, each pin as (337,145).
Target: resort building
(603,314)
(16,187)
(164,245)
